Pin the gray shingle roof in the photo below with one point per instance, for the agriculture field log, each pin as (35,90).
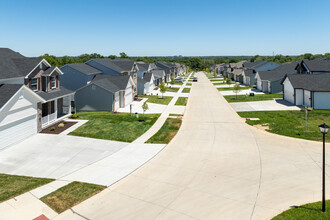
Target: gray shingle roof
(17,67)
(249,72)
(7,91)
(84,68)
(143,67)
(112,83)
(158,73)
(121,65)
(48,71)
(311,82)
(8,53)
(52,94)
(279,72)
(318,65)
(253,64)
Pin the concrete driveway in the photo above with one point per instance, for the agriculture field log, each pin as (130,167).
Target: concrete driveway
(217,167)
(72,158)
(270,105)
(241,92)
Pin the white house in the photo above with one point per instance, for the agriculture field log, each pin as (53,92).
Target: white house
(307,89)
(146,84)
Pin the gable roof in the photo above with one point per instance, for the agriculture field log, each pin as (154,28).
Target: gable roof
(249,72)
(143,66)
(7,91)
(158,73)
(112,83)
(53,94)
(8,53)
(84,68)
(238,71)
(311,82)
(317,65)
(279,72)
(121,65)
(253,64)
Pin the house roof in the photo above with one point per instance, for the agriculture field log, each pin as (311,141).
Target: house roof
(238,71)
(121,65)
(112,83)
(253,64)
(55,93)
(17,67)
(84,68)
(147,77)
(143,66)
(158,73)
(318,65)
(311,82)
(249,72)
(48,71)
(7,91)
(279,72)
(8,53)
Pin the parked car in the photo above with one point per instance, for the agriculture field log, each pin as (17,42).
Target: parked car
(179,79)
(195,79)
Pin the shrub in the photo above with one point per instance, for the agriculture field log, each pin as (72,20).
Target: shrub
(52,129)
(65,122)
(61,125)
(74,116)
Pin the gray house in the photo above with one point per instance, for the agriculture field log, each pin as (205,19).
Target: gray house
(105,93)
(77,75)
(270,81)
(116,67)
(249,77)
(159,76)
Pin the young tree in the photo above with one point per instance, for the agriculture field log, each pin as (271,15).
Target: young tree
(145,107)
(215,74)
(228,81)
(162,88)
(237,89)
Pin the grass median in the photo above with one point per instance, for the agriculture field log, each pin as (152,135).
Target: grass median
(13,185)
(114,126)
(232,88)
(172,89)
(186,90)
(71,195)
(244,98)
(291,123)
(182,101)
(163,100)
(167,132)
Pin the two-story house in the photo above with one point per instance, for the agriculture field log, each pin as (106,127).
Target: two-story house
(32,98)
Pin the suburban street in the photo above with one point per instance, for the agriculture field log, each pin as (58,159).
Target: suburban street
(216,167)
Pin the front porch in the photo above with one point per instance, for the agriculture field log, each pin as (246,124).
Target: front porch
(55,110)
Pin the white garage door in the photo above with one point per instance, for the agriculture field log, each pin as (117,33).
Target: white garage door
(116,101)
(18,130)
(259,84)
(264,86)
(128,96)
(321,100)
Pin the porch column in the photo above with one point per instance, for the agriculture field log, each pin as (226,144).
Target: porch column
(55,106)
(69,111)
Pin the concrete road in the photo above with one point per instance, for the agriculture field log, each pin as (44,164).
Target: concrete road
(269,105)
(217,167)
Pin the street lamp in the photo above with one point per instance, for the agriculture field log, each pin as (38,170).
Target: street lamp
(324,130)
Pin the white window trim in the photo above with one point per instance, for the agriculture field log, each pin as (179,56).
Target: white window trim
(37,84)
(51,82)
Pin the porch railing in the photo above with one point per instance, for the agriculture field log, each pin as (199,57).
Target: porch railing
(48,119)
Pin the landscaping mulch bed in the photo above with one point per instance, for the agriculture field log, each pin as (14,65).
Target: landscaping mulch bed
(57,129)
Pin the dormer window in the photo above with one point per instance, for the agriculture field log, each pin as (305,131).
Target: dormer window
(34,84)
(53,82)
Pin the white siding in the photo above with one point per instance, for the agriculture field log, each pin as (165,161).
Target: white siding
(128,96)
(258,82)
(288,91)
(322,100)
(116,101)
(264,86)
(307,96)
(299,97)
(18,119)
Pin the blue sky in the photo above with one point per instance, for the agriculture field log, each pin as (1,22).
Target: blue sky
(165,27)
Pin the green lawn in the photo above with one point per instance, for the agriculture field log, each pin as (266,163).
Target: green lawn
(311,211)
(243,98)
(186,90)
(189,84)
(232,88)
(114,126)
(172,89)
(291,123)
(71,195)
(165,100)
(182,101)
(12,185)
(167,132)
(178,115)
(175,83)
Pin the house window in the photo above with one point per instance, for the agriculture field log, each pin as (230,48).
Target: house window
(53,81)
(34,84)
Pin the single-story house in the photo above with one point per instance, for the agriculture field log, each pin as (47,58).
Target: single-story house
(261,65)
(159,76)
(143,68)
(270,81)
(168,68)
(317,66)
(249,77)
(237,75)
(307,89)
(146,84)
(105,93)
(31,96)
(77,75)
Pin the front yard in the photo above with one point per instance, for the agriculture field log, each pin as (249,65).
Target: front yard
(186,90)
(182,101)
(13,185)
(71,195)
(244,98)
(232,88)
(167,132)
(291,123)
(172,89)
(165,100)
(114,126)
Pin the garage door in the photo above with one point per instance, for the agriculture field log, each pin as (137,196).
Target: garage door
(18,130)
(321,100)
(259,85)
(128,96)
(116,101)
(264,86)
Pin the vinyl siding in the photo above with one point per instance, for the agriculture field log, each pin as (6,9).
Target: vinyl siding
(73,79)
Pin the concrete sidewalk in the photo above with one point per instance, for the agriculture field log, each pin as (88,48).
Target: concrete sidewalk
(271,105)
